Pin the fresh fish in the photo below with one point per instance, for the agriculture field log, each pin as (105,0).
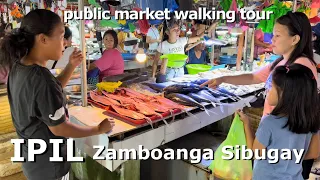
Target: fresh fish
(131,114)
(199,81)
(182,88)
(133,94)
(186,100)
(156,86)
(206,95)
(102,99)
(172,105)
(215,93)
(222,90)
(121,99)
(200,99)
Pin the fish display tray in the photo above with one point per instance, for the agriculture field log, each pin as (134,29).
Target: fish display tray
(154,118)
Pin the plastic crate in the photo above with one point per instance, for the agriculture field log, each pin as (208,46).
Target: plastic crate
(228,59)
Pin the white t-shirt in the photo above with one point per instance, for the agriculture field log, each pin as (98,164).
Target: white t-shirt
(154,34)
(176,48)
(62,63)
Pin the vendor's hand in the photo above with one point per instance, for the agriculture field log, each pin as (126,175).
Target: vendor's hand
(75,58)
(243,117)
(159,40)
(106,125)
(213,83)
(213,26)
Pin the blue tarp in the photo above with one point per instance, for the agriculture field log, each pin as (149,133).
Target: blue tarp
(158,4)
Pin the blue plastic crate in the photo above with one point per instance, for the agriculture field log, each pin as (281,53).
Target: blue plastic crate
(221,66)
(228,59)
(128,56)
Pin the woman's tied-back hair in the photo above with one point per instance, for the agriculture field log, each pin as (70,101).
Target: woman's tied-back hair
(298,24)
(20,41)
(67,32)
(298,98)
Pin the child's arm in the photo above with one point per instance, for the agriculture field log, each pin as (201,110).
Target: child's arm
(313,151)
(249,135)
(262,140)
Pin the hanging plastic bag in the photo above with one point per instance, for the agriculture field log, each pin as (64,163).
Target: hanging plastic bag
(232,169)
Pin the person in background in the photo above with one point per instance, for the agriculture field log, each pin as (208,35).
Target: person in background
(173,44)
(292,40)
(62,63)
(111,63)
(153,39)
(36,97)
(260,46)
(8,28)
(293,124)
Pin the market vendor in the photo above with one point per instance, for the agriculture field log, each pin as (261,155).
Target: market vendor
(260,46)
(111,63)
(291,40)
(173,45)
(36,97)
(153,39)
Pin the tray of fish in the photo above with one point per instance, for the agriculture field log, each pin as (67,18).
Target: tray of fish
(134,107)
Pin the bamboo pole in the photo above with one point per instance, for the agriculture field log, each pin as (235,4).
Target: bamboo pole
(240,52)
(84,89)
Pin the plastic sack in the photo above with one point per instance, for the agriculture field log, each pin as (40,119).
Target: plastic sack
(232,169)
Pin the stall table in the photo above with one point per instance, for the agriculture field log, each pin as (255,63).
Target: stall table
(127,136)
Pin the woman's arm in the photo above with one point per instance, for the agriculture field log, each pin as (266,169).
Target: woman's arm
(75,59)
(68,129)
(243,79)
(92,66)
(149,40)
(195,39)
(313,151)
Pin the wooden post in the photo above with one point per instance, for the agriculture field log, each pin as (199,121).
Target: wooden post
(240,52)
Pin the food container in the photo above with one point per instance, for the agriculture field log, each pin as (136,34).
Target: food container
(175,60)
(196,68)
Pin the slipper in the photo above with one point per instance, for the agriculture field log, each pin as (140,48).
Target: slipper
(315,171)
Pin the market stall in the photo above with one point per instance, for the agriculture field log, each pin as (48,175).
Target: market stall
(153,114)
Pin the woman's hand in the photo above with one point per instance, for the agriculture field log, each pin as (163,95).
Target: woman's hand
(106,126)
(213,83)
(243,117)
(75,58)
(213,26)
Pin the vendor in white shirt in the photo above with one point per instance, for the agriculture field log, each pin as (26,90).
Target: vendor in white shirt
(173,45)
(62,63)
(153,39)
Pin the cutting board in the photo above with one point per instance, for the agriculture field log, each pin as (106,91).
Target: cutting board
(88,115)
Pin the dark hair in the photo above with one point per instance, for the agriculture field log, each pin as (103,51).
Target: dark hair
(9,24)
(299,100)
(169,24)
(114,35)
(67,32)
(297,24)
(20,41)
